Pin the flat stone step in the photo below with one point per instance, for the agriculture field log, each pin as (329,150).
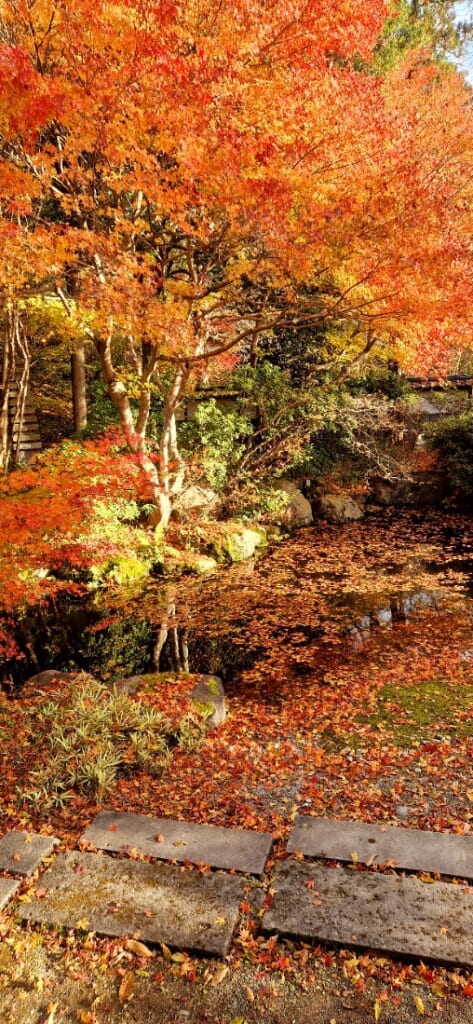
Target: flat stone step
(165,839)
(157,902)
(366,910)
(8,888)
(405,848)
(388,913)
(22,852)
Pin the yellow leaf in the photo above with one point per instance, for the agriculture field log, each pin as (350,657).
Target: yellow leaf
(178,958)
(83,924)
(51,1010)
(220,974)
(138,947)
(354,857)
(166,951)
(126,987)
(419,1004)
(377,1010)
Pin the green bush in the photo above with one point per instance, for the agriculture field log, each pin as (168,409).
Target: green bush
(217,437)
(381,381)
(452,439)
(122,648)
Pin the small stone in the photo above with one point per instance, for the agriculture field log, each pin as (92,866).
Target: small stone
(208,693)
(402,811)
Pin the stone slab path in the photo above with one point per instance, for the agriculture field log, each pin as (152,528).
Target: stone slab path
(164,839)
(388,913)
(155,902)
(405,848)
(8,888)
(22,852)
(199,911)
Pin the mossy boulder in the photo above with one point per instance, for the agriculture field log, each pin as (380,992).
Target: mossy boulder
(177,561)
(233,541)
(204,693)
(208,698)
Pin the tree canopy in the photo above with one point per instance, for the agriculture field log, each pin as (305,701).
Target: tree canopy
(185,176)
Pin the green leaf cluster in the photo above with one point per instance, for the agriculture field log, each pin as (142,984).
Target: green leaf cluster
(452,439)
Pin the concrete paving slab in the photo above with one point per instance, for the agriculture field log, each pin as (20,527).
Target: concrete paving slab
(8,888)
(22,852)
(157,902)
(406,848)
(165,839)
(366,910)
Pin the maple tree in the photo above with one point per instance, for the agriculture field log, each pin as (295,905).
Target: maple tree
(187,177)
(70,515)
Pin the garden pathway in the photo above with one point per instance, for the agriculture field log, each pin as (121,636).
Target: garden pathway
(184,899)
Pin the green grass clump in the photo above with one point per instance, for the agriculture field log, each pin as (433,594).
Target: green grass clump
(86,737)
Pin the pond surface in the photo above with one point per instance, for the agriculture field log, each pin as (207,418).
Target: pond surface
(311,599)
(315,596)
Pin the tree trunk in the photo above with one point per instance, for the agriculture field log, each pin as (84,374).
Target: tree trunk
(15,370)
(4,402)
(135,433)
(79,393)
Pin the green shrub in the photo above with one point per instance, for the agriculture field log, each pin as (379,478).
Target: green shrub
(381,381)
(452,439)
(87,737)
(217,437)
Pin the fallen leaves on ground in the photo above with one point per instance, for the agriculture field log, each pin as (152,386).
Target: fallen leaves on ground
(306,730)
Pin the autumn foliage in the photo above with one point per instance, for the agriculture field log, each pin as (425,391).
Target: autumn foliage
(188,176)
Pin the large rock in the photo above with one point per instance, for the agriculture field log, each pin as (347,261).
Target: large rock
(194,499)
(47,683)
(206,694)
(187,562)
(298,510)
(341,508)
(422,489)
(234,542)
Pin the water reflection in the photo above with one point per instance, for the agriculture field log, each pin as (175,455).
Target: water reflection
(322,586)
(322,590)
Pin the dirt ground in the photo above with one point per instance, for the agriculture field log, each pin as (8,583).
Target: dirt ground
(46,978)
